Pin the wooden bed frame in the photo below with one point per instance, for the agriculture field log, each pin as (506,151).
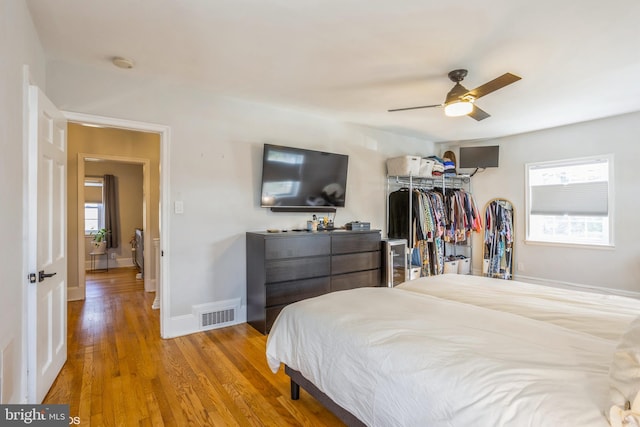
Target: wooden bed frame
(297,380)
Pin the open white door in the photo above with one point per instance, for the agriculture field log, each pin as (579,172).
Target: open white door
(47,245)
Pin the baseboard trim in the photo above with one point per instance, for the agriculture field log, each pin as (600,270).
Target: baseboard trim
(187,324)
(180,325)
(569,285)
(577,286)
(113,263)
(75,293)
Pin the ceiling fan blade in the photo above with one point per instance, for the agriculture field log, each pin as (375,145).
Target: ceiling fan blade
(478,113)
(415,108)
(493,85)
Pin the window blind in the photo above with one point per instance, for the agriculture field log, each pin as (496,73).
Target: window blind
(580,199)
(92,194)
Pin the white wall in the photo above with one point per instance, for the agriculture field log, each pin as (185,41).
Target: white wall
(617,268)
(215,168)
(18,46)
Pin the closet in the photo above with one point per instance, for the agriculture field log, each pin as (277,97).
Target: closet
(497,259)
(436,217)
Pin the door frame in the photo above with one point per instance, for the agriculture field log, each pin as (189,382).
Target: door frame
(163,287)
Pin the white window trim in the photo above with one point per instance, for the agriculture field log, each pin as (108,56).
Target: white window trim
(93,181)
(611,202)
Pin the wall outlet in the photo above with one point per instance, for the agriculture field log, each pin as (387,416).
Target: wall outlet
(521,266)
(113,255)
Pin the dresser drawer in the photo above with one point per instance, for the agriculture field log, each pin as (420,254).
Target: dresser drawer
(355,262)
(360,279)
(295,247)
(288,292)
(294,269)
(348,243)
(284,268)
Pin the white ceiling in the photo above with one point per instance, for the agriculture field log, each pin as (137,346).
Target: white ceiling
(355,59)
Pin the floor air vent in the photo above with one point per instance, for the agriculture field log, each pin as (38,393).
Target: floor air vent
(217,314)
(215,318)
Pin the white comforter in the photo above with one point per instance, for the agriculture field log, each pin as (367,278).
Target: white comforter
(598,314)
(399,357)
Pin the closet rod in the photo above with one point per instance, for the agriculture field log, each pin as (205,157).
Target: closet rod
(433,182)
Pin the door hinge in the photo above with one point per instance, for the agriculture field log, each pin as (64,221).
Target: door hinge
(32,277)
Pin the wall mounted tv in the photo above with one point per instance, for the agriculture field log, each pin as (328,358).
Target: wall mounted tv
(296,179)
(479,157)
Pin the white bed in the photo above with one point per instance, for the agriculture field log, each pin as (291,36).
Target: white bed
(457,350)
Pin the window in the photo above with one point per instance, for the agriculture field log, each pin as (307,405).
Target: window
(93,208)
(92,217)
(570,201)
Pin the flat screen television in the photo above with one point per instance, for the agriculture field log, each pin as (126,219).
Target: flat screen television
(479,157)
(300,178)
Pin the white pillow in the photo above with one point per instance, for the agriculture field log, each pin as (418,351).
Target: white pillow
(624,373)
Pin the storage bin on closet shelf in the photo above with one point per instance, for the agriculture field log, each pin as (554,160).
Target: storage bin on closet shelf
(426,167)
(410,166)
(457,265)
(464,266)
(414,272)
(451,266)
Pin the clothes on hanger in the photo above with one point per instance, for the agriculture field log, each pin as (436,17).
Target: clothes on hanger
(498,239)
(437,217)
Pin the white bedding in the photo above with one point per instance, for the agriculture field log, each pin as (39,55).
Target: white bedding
(603,315)
(399,357)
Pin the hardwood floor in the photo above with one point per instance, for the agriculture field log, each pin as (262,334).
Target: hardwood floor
(120,372)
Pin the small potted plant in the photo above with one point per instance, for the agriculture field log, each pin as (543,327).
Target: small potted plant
(99,241)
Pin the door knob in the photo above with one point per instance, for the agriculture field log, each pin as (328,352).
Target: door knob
(42,275)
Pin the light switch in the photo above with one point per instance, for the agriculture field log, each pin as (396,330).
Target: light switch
(179,207)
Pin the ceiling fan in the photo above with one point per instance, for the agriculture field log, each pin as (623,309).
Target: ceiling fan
(461,102)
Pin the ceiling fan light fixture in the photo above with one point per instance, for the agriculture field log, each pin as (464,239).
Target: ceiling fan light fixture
(460,100)
(458,108)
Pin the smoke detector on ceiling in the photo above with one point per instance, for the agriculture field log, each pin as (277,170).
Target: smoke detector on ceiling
(122,62)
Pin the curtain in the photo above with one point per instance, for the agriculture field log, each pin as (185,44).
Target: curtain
(111,211)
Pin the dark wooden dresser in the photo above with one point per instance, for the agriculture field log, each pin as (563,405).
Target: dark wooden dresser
(286,267)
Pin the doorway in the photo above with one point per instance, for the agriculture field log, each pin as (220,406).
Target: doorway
(134,215)
(155,177)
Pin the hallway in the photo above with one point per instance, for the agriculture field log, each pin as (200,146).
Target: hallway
(120,372)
